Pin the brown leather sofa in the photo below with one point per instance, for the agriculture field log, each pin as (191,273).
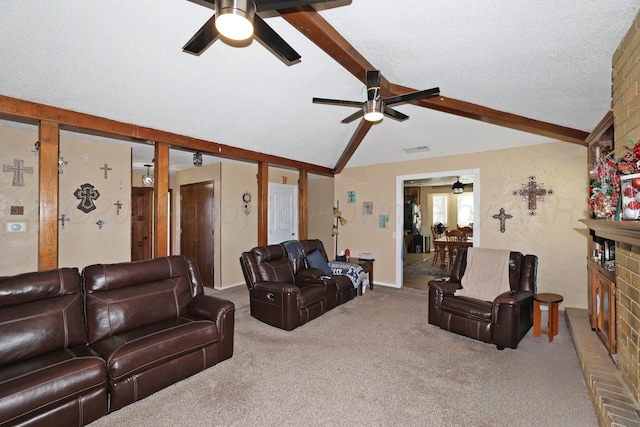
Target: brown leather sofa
(152,323)
(503,321)
(141,326)
(48,374)
(276,297)
(284,291)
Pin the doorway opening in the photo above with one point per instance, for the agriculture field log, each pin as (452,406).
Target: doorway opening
(420,237)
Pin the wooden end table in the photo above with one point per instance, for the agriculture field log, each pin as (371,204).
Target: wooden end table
(552,301)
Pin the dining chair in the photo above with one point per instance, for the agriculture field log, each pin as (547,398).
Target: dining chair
(436,232)
(468,231)
(454,236)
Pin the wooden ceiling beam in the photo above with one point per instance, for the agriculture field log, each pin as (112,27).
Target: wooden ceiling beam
(354,143)
(20,110)
(310,23)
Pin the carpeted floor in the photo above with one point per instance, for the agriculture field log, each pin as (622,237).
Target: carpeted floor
(372,361)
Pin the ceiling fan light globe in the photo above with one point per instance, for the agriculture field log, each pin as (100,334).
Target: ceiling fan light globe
(234,18)
(373,110)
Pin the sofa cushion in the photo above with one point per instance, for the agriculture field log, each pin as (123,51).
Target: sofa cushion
(30,385)
(123,297)
(316,260)
(40,312)
(467,307)
(140,349)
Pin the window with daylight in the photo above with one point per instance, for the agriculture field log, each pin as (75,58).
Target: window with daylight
(465,210)
(439,209)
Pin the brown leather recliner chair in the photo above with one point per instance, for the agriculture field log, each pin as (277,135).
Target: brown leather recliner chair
(275,296)
(503,321)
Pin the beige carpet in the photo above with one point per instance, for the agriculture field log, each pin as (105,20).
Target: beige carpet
(373,361)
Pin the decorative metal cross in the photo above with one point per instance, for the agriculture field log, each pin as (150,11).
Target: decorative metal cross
(62,220)
(106,170)
(18,172)
(86,194)
(532,192)
(502,216)
(61,162)
(118,206)
(100,223)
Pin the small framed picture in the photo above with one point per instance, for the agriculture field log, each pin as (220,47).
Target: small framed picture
(367,208)
(351,196)
(383,221)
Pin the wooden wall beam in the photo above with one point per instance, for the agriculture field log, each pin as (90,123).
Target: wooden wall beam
(263,203)
(303,205)
(161,201)
(49,137)
(86,123)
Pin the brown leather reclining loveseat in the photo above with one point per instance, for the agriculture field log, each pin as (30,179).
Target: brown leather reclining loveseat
(285,291)
(503,321)
(141,326)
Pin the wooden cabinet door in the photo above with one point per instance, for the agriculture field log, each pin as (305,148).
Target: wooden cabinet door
(196,226)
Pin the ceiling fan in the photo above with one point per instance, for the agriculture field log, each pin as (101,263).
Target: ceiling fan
(237,20)
(376,107)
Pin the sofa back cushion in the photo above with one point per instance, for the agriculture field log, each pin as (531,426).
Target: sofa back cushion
(40,312)
(125,296)
(273,264)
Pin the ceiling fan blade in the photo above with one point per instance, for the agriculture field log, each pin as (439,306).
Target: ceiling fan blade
(354,116)
(373,84)
(337,102)
(421,94)
(273,41)
(262,5)
(202,39)
(395,114)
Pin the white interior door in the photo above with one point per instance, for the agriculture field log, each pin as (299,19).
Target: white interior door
(283,212)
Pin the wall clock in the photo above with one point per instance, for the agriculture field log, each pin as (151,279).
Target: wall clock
(246,203)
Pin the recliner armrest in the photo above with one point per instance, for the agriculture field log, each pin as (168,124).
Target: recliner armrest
(310,273)
(222,313)
(277,287)
(446,287)
(517,297)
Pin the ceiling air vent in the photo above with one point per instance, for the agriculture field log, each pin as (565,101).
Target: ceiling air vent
(419,149)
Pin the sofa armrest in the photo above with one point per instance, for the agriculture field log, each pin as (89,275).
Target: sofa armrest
(517,297)
(277,287)
(512,317)
(222,313)
(445,287)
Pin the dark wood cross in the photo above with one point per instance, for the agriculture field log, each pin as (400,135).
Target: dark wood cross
(118,206)
(106,170)
(86,194)
(502,216)
(62,220)
(18,172)
(532,192)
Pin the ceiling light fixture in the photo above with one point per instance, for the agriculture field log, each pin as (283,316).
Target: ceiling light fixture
(374,107)
(197,158)
(458,187)
(147,180)
(234,18)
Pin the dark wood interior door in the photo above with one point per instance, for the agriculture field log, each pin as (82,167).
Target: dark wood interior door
(196,224)
(141,223)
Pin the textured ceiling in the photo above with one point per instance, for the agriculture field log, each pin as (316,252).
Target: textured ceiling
(545,60)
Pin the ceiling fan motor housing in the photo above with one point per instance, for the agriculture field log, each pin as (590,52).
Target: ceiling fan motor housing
(234,18)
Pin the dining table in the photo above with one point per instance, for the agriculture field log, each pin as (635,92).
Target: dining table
(445,246)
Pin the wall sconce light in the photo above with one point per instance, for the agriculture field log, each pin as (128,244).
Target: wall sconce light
(458,187)
(197,158)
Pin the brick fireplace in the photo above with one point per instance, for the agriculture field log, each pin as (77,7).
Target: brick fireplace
(626,115)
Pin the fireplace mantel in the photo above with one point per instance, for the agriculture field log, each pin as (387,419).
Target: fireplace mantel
(620,231)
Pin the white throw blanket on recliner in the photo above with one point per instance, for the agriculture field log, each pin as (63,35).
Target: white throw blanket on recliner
(486,275)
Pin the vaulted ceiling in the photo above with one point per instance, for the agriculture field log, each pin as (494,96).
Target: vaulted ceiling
(510,73)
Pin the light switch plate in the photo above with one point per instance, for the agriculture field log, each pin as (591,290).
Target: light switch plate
(16,227)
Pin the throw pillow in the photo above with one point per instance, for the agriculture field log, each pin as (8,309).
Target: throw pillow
(316,260)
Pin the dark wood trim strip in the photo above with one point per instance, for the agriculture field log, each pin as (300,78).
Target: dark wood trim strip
(303,204)
(263,203)
(161,201)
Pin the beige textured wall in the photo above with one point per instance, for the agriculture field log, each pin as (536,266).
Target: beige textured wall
(554,234)
(18,251)
(82,242)
(321,203)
